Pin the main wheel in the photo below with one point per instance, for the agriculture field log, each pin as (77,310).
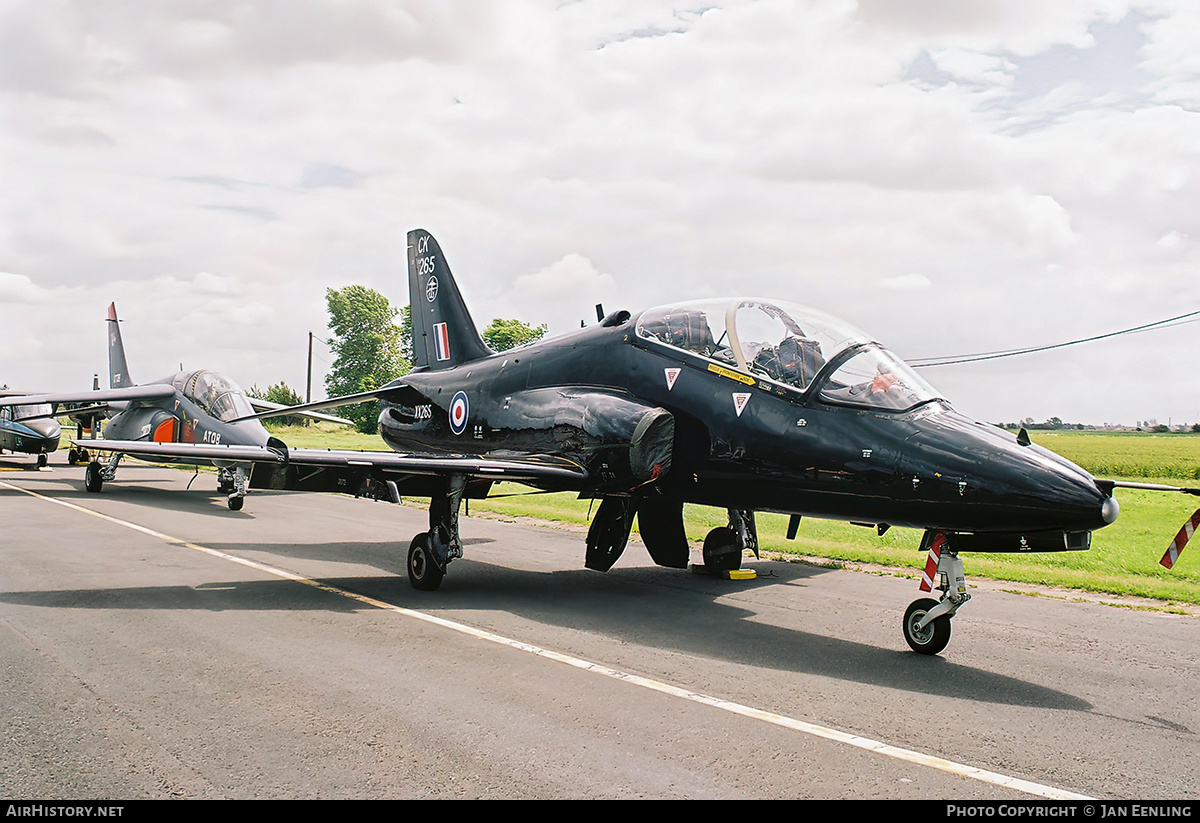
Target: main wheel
(72,456)
(42,460)
(934,637)
(721,551)
(423,573)
(92,480)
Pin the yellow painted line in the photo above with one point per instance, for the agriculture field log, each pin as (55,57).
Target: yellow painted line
(866,743)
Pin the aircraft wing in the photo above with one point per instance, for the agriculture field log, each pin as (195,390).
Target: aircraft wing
(156,391)
(267,406)
(344,462)
(524,467)
(201,453)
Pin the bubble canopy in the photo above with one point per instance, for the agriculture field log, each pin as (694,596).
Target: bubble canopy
(215,394)
(790,344)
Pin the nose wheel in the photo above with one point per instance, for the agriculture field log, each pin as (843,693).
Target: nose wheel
(927,621)
(931,638)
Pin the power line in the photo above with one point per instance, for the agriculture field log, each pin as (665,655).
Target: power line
(1179,320)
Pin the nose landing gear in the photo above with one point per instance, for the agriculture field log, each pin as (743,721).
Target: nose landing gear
(927,621)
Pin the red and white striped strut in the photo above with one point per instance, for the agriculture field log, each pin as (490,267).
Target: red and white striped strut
(931,564)
(1181,539)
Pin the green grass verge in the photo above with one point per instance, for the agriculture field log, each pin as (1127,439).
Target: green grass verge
(327,436)
(1128,454)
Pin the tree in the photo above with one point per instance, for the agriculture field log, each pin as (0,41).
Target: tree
(367,346)
(282,394)
(503,335)
(406,341)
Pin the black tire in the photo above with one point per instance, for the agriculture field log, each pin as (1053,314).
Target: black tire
(423,573)
(83,457)
(236,503)
(934,637)
(92,481)
(42,460)
(72,457)
(721,551)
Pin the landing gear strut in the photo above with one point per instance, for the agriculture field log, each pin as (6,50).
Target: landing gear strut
(430,552)
(96,474)
(233,482)
(724,545)
(927,621)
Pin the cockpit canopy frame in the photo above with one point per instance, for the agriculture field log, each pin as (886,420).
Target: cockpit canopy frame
(214,393)
(795,346)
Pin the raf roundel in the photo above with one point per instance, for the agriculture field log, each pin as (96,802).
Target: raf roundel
(460,410)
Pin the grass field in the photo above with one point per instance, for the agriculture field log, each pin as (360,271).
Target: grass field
(1123,559)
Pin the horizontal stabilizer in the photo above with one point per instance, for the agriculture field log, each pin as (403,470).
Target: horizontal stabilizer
(264,405)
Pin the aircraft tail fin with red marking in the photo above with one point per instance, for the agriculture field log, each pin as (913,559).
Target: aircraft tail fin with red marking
(443,334)
(118,370)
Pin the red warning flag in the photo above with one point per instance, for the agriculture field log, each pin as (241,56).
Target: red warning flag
(931,563)
(1181,539)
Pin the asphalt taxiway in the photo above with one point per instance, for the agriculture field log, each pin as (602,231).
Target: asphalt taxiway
(158,645)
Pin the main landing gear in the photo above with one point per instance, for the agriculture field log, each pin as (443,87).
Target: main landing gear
(430,552)
(97,473)
(233,483)
(725,545)
(927,621)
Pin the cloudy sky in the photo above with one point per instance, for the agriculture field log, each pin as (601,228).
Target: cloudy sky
(952,177)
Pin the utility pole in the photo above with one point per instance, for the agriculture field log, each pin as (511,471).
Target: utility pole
(308,385)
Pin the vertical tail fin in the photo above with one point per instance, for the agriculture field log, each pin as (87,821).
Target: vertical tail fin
(443,333)
(118,371)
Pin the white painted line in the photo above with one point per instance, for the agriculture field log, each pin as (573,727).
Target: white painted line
(907,755)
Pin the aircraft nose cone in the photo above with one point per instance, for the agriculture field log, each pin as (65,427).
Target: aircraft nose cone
(47,428)
(1110,510)
(1002,485)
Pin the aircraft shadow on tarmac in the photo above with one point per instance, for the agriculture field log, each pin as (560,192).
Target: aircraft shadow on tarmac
(148,491)
(646,606)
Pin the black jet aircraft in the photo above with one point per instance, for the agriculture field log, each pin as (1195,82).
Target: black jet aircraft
(745,404)
(188,418)
(29,429)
